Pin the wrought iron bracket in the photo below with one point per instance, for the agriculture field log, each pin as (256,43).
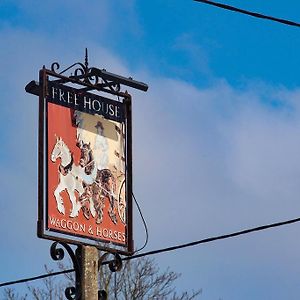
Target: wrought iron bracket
(94,78)
(57,253)
(89,78)
(114,265)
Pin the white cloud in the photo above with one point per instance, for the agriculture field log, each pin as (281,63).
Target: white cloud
(206,161)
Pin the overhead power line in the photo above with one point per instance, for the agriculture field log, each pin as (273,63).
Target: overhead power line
(36,277)
(168,249)
(249,13)
(215,238)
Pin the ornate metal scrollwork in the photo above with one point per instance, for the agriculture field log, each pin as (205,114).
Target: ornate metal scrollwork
(81,72)
(84,75)
(55,67)
(58,253)
(114,265)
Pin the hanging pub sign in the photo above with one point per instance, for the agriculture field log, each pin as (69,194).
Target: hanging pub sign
(85,193)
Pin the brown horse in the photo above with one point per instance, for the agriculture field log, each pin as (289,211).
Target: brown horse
(86,157)
(103,187)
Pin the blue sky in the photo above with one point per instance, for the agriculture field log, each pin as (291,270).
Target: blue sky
(216,137)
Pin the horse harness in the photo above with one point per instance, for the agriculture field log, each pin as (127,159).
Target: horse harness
(65,170)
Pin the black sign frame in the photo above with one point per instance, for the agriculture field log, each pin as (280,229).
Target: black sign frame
(118,111)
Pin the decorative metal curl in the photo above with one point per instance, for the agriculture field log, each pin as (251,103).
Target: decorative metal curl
(117,87)
(81,73)
(94,80)
(55,67)
(58,253)
(102,295)
(70,293)
(112,86)
(82,68)
(84,75)
(114,265)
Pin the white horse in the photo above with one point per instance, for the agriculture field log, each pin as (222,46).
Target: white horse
(69,178)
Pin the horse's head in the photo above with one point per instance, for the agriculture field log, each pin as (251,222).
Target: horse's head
(86,158)
(57,150)
(85,154)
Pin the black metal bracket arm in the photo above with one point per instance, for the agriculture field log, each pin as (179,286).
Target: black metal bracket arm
(118,79)
(90,78)
(58,253)
(33,88)
(114,265)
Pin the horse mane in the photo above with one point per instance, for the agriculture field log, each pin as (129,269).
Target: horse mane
(65,170)
(90,164)
(65,145)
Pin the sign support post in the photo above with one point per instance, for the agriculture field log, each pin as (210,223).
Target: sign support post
(89,269)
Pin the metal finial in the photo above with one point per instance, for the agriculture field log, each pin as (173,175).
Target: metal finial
(86,58)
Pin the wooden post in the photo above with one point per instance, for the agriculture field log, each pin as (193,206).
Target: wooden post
(89,269)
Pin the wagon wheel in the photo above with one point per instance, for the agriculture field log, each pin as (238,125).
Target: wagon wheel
(122,203)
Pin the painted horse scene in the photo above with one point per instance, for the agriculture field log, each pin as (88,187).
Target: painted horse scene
(88,170)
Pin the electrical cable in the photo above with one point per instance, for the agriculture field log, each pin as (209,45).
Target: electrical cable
(211,239)
(249,13)
(137,205)
(168,249)
(145,225)
(36,277)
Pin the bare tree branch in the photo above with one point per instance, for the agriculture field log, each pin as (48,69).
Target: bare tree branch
(139,279)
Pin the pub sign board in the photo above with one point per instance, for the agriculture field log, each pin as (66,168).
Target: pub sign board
(85,146)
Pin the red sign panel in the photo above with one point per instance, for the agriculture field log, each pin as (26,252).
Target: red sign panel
(85,156)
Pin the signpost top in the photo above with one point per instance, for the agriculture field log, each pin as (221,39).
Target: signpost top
(92,78)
